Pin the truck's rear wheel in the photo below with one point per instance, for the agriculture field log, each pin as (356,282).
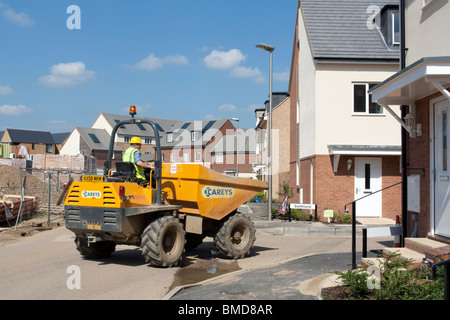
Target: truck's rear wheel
(162,242)
(235,237)
(97,250)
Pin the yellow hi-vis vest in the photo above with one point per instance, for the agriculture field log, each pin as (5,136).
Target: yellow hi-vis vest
(128,156)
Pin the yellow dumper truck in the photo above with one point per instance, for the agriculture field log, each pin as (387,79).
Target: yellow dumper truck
(184,204)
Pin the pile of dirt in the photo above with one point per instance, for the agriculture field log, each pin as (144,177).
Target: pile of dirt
(10,184)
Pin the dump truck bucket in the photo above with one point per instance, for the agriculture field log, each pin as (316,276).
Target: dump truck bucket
(204,192)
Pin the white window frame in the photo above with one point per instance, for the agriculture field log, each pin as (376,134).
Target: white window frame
(219,157)
(195,135)
(172,157)
(366,112)
(198,156)
(170,137)
(186,157)
(395,12)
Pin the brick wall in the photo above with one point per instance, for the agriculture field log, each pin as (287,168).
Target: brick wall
(418,156)
(332,190)
(281,148)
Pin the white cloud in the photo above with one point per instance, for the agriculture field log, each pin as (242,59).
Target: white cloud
(9,110)
(231,60)
(22,19)
(5,90)
(152,62)
(224,60)
(253,73)
(227,108)
(67,75)
(233,110)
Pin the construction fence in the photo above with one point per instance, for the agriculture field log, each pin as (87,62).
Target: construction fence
(35,186)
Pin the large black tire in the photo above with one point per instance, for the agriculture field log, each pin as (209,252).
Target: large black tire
(162,242)
(98,250)
(235,237)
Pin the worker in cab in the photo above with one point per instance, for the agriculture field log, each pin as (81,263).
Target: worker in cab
(133,155)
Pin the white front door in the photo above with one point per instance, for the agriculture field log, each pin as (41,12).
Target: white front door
(441,169)
(367,181)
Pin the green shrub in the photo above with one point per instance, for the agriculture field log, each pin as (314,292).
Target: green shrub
(398,280)
(343,218)
(262,196)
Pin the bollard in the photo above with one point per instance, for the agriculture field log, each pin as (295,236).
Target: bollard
(364,244)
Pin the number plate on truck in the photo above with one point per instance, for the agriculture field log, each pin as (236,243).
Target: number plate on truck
(91,178)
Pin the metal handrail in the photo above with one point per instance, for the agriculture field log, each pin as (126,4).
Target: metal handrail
(353,203)
(446,264)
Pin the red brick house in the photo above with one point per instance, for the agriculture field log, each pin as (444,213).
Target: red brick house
(338,151)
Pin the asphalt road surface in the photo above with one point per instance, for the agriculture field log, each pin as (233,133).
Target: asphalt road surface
(47,266)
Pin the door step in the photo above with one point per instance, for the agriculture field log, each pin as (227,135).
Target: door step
(416,250)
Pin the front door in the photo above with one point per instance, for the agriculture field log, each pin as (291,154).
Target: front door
(367,181)
(441,169)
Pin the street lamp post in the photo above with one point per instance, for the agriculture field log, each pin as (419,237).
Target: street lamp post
(270,49)
(237,146)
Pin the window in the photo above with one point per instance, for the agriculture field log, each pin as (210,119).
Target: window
(170,137)
(395,27)
(140,126)
(219,157)
(195,135)
(209,125)
(122,126)
(367,176)
(127,139)
(198,156)
(48,148)
(186,157)
(362,101)
(172,157)
(94,138)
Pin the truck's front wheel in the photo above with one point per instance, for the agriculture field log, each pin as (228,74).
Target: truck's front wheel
(162,242)
(235,237)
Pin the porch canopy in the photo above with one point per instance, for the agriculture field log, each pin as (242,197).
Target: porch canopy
(422,78)
(357,150)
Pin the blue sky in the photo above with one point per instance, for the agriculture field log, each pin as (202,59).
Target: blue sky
(173,59)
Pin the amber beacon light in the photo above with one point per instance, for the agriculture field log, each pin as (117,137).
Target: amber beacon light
(133,111)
